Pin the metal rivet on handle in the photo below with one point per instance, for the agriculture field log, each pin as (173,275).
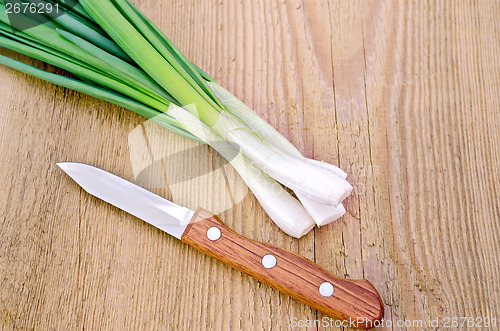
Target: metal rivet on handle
(269,261)
(213,233)
(326,289)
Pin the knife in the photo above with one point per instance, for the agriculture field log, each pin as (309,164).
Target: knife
(354,301)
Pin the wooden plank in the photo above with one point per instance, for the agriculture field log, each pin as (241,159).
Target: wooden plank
(402,94)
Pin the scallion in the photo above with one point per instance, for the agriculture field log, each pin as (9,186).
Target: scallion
(119,55)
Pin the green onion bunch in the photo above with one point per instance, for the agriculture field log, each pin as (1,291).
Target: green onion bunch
(115,53)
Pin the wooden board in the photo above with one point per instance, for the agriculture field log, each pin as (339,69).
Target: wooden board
(403,95)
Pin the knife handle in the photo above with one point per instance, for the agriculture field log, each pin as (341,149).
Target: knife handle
(356,301)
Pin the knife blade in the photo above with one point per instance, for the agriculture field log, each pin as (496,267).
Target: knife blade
(354,301)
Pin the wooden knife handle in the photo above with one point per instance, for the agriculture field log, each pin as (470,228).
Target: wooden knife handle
(356,301)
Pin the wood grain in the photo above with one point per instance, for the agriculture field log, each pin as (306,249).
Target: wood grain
(356,302)
(403,95)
